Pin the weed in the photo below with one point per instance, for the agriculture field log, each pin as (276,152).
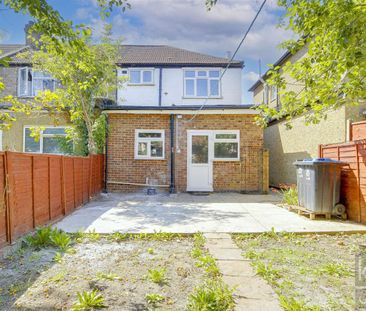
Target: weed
(60,239)
(199,240)
(93,235)
(196,252)
(118,236)
(58,257)
(58,277)
(291,304)
(157,276)
(154,298)
(108,276)
(41,238)
(150,251)
(209,264)
(334,268)
(290,195)
(14,289)
(267,272)
(89,300)
(213,295)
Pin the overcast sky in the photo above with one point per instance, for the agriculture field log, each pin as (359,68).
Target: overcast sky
(181,23)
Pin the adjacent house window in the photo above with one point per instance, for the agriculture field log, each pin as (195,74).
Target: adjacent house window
(202,83)
(226,145)
(49,140)
(149,144)
(265,94)
(273,92)
(31,82)
(141,76)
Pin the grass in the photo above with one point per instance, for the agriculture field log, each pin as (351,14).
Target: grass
(308,272)
(89,301)
(154,298)
(290,195)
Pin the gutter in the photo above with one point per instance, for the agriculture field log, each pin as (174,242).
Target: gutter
(106,158)
(172,155)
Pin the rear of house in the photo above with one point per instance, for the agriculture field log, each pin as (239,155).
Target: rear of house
(177,126)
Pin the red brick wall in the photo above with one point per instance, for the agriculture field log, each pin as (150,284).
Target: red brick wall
(243,175)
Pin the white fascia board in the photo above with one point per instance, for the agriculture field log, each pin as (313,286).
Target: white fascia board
(190,112)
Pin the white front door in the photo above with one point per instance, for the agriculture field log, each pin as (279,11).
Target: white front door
(199,161)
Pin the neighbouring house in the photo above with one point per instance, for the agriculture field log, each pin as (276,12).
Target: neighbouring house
(302,141)
(177,126)
(24,83)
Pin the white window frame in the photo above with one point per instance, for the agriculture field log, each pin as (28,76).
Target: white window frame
(27,71)
(185,95)
(226,140)
(148,140)
(142,70)
(41,136)
(265,94)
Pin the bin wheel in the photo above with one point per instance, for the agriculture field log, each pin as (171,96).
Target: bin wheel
(339,209)
(344,216)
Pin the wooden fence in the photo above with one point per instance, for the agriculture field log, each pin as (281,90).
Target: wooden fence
(357,131)
(353,178)
(40,188)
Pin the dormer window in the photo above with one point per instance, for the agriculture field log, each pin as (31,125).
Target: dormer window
(31,82)
(202,83)
(141,76)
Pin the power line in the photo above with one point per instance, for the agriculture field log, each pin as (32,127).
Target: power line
(236,51)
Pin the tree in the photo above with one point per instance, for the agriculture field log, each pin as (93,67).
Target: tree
(86,74)
(333,72)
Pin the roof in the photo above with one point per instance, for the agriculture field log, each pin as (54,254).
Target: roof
(164,55)
(144,55)
(279,62)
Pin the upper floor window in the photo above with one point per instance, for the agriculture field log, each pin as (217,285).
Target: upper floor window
(49,141)
(31,82)
(141,76)
(202,83)
(273,92)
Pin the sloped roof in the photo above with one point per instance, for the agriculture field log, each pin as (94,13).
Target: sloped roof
(165,55)
(142,55)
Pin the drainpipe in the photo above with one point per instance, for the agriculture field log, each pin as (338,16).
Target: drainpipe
(106,157)
(160,84)
(172,155)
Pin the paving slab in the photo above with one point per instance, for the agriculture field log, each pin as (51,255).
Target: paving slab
(187,213)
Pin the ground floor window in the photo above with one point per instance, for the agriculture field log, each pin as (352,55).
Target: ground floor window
(226,145)
(149,144)
(50,140)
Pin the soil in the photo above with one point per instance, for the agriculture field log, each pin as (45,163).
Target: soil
(316,270)
(30,280)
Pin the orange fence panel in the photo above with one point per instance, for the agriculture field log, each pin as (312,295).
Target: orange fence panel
(39,188)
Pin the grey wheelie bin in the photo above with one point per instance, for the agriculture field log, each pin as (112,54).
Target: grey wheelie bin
(318,184)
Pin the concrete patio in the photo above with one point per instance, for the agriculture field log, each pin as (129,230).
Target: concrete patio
(187,213)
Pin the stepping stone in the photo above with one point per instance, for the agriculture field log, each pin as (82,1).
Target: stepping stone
(235,268)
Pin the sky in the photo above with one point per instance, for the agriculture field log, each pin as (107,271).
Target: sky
(181,23)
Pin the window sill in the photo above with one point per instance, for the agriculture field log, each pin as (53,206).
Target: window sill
(140,158)
(226,160)
(201,97)
(140,84)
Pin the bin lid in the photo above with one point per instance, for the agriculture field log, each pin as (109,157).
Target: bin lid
(318,161)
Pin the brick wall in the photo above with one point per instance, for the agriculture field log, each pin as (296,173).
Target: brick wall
(243,175)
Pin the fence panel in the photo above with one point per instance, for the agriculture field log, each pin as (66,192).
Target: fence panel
(3,210)
(68,184)
(20,176)
(358,130)
(55,187)
(86,170)
(78,181)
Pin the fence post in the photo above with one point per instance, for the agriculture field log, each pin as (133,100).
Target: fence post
(33,179)
(90,176)
(7,204)
(49,189)
(63,201)
(265,175)
(358,183)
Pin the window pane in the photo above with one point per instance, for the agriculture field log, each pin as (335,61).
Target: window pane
(151,134)
(142,149)
(135,76)
(55,131)
(147,76)
(214,73)
(37,86)
(226,136)
(156,148)
(51,145)
(226,150)
(190,87)
(202,73)
(48,85)
(201,87)
(199,149)
(23,82)
(214,87)
(189,74)
(30,145)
